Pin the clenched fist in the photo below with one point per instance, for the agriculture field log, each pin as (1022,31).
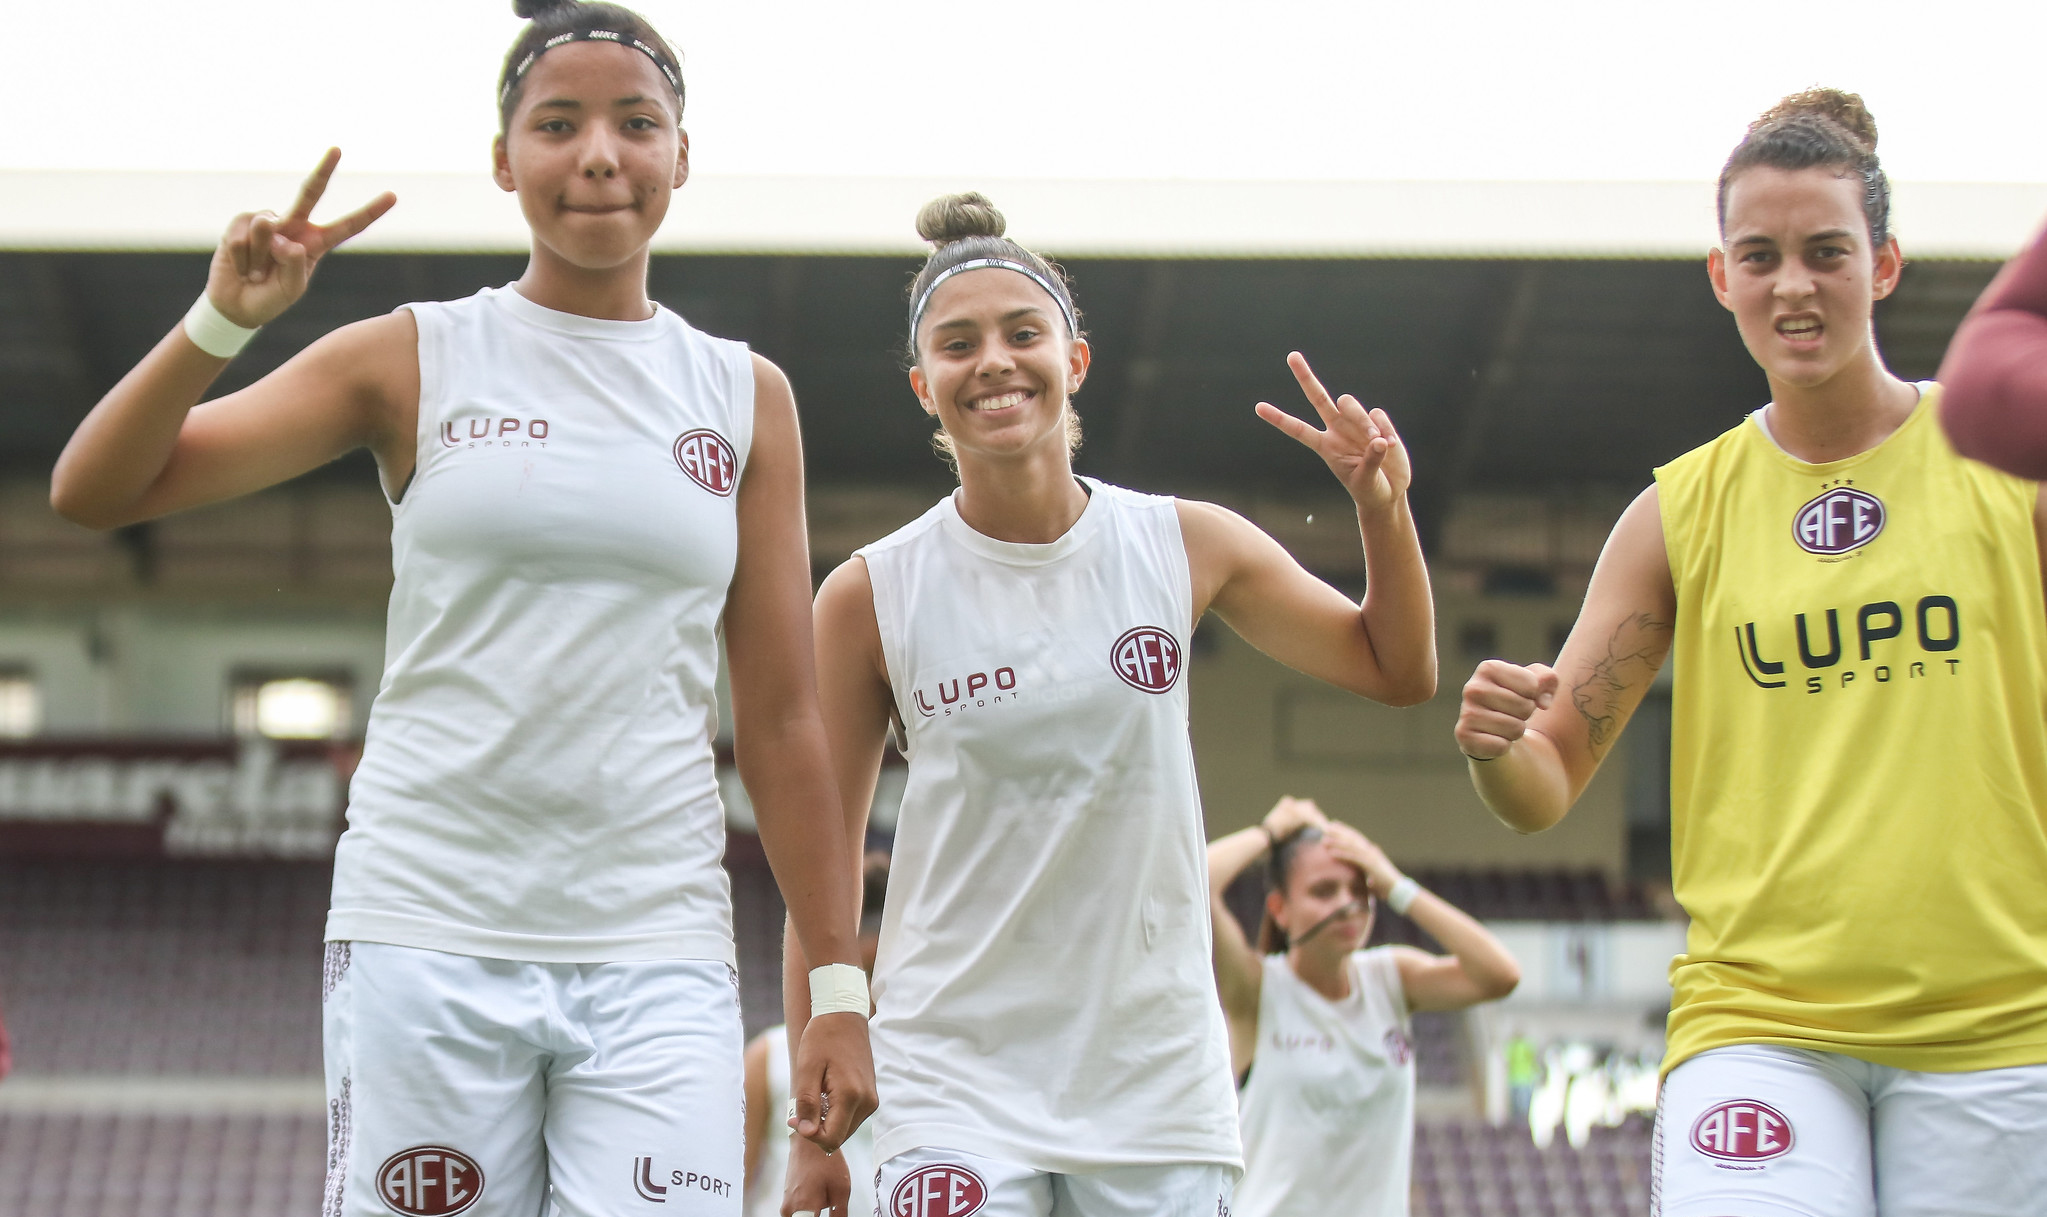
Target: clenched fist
(1499,699)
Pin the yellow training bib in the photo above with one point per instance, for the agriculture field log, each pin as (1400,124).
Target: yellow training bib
(1858,789)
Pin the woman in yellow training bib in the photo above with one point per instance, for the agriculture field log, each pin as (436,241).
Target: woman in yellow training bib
(1859,740)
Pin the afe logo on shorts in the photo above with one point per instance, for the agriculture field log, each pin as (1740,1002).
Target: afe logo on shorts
(1147,658)
(1838,521)
(708,460)
(942,1190)
(1742,1130)
(429,1181)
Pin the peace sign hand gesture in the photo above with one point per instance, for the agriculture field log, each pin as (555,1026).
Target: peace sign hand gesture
(265,261)
(1360,446)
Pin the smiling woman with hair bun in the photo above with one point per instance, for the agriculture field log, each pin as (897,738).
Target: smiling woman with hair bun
(529,1000)
(1858,759)
(1046,1029)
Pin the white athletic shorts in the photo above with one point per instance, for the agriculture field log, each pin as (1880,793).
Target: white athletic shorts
(495,1088)
(948,1183)
(1762,1131)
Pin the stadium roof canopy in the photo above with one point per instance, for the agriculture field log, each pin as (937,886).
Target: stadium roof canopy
(455,213)
(1550,339)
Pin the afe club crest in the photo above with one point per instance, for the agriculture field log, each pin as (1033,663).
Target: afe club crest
(1147,658)
(1840,520)
(708,460)
(940,1190)
(429,1181)
(1742,1130)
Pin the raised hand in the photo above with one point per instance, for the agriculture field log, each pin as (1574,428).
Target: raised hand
(1360,446)
(1499,699)
(265,261)
(1290,815)
(1350,845)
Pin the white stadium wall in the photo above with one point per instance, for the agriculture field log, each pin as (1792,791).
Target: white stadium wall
(141,670)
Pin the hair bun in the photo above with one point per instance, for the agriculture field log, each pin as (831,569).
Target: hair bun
(1844,109)
(956,217)
(531,9)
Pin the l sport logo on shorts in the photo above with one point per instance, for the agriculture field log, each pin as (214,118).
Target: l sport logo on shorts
(644,1184)
(708,460)
(939,1190)
(429,1181)
(1147,658)
(1742,1130)
(1838,521)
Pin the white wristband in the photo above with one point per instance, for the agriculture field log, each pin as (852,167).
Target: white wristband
(213,333)
(1401,897)
(838,988)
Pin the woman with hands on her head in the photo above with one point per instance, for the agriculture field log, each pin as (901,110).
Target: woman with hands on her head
(529,1001)
(1046,1032)
(1319,1027)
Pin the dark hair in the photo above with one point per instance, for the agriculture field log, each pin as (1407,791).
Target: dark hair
(1279,866)
(873,888)
(1817,128)
(962,227)
(547,20)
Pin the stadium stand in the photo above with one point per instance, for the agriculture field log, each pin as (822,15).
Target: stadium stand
(176,969)
(1539,895)
(1464,1168)
(181,968)
(156,1165)
(62,1165)
(158,967)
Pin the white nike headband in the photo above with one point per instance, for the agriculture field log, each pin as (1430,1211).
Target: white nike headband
(1058,297)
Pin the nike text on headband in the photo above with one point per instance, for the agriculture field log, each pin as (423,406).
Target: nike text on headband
(612,36)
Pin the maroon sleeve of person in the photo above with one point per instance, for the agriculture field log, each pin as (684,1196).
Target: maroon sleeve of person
(1994,380)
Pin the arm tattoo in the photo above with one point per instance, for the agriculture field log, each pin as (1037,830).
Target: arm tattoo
(1633,654)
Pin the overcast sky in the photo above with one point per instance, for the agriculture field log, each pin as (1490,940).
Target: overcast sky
(1571,89)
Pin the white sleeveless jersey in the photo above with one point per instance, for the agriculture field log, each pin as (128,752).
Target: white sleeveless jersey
(771,1174)
(538,782)
(1328,1111)
(1043,990)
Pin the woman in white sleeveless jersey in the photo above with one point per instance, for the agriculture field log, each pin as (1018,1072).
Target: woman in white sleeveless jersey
(1319,1028)
(529,995)
(767,1085)
(1046,1031)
